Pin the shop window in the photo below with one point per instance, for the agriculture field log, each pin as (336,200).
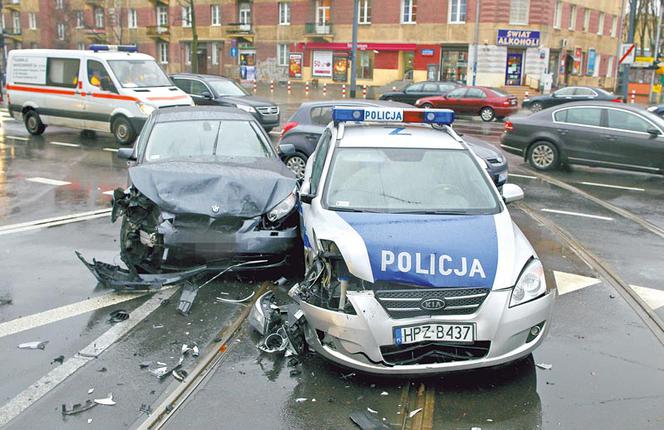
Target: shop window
(457,11)
(408,11)
(365,65)
(364,15)
(282,54)
(519,10)
(62,72)
(454,65)
(572,18)
(284,13)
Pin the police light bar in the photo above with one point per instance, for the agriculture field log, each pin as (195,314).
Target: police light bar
(371,114)
(120,48)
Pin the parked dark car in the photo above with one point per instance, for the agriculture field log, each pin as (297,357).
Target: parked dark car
(305,127)
(205,187)
(215,90)
(416,91)
(568,95)
(602,134)
(488,103)
(657,110)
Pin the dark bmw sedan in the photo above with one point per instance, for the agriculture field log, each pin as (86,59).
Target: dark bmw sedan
(416,91)
(213,90)
(602,134)
(569,95)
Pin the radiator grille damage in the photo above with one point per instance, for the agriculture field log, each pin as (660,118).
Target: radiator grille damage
(434,352)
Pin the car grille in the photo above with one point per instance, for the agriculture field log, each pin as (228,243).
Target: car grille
(268,110)
(406,303)
(434,352)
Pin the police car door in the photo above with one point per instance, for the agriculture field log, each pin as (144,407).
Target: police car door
(311,189)
(99,96)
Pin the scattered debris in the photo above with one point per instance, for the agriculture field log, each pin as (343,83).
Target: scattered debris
(372,411)
(59,359)
(611,296)
(77,408)
(180,374)
(384,393)
(157,326)
(366,421)
(108,401)
(159,371)
(39,344)
(146,409)
(187,297)
(301,400)
(281,281)
(144,364)
(280,334)
(544,366)
(102,369)
(295,372)
(293,362)
(348,376)
(221,299)
(89,420)
(194,351)
(413,413)
(91,390)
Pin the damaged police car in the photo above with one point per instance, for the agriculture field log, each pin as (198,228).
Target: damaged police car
(414,264)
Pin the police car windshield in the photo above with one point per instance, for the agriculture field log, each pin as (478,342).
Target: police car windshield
(204,139)
(139,73)
(408,180)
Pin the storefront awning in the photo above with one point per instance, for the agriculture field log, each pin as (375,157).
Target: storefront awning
(340,46)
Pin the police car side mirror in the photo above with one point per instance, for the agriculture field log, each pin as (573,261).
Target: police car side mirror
(126,154)
(512,193)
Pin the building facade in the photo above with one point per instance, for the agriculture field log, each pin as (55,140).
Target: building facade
(514,42)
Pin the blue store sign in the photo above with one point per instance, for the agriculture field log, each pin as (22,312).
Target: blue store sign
(521,38)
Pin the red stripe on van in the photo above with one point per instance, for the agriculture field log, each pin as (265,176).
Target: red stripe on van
(40,90)
(168,97)
(115,97)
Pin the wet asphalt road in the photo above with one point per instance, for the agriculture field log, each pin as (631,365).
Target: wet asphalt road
(608,366)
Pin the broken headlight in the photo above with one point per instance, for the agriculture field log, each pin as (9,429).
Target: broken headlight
(531,284)
(283,208)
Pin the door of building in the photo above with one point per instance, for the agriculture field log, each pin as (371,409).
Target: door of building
(407,64)
(202,59)
(513,68)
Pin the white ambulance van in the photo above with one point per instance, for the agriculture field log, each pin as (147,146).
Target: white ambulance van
(107,88)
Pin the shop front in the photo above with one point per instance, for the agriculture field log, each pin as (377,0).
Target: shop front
(454,63)
(517,42)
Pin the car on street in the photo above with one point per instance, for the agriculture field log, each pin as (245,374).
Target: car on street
(414,265)
(602,134)
(213,90)
(306,125)
(488,103)
(657,110)
(206,187)
(569,95)
(416,91)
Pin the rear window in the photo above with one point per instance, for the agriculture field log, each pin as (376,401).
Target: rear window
(581,116)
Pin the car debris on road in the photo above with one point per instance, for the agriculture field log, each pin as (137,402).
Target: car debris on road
(39,344)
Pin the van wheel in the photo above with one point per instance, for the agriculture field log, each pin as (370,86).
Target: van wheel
(123,131)
(33,123)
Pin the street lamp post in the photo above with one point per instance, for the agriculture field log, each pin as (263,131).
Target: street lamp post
(353,55)
(655,53)
(477,40)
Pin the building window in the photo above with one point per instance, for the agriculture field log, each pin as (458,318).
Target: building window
(609,67)
(162,16)
(282,54)
(2,23)
(284,13)
(364,15)
(61,31)
(59,4)
(408,11)
(558,14)
(600,23)
(32,21)
(187,53)
(80,19)
(132,18)
(323,8)
(586,19)
(215,13)
(457,11)
(245,14)
(186,16)
(16,21)
(214,53)
(81,46)
(519,10)
(163,52)
(614,26)
(99,17)
(365,65)
(598,63)
(572,18)
(34,45)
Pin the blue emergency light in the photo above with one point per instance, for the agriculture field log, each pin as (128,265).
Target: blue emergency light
(120,48)
(387,114)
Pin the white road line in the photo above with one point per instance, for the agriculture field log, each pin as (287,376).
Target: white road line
(17,138)
(569,282)
(56,376)
(619,187)
(50,222)
(72,145)
(47,181)
(653,298)
(521,176)
(555,211)
(111,149)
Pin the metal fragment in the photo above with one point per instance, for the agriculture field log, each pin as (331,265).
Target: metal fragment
(108,401)
(39,344)
(77,408)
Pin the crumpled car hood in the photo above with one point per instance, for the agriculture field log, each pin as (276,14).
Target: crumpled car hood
(245,187)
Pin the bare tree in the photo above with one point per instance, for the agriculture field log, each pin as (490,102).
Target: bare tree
(194,33)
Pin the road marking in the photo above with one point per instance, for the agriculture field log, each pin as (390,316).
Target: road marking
(516,175)
(17,138)
(111,149)
(56,376)
(47,181)
(619,187)
(653,298)
(555,211)
(72,145)
(568,282)
(52,222)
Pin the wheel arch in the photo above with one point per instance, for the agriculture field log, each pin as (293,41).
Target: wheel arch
(545,138)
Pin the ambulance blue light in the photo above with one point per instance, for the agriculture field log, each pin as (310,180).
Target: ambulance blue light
(387,114)
(120,48)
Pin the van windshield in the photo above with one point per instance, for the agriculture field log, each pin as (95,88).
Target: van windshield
(139,73)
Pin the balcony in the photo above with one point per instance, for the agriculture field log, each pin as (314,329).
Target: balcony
(14,5)
(239,28)
(156,3)
(96,34)
(313,29)
(96,3)
(14,34)
(160,32)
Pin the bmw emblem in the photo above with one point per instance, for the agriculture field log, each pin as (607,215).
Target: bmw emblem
(432,304)
(215,208)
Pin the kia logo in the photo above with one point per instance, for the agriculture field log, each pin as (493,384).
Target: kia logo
(432,304)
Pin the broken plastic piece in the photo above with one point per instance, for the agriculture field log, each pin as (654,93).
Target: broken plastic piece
(281,281)
(194,351)
(91,390)
(301,400)
(77,408)
(144,364)
(372,411)
(544,366)
(187,297)
(59,359)
(108,401)
(221,299)
(413,413)
(159,371)
(119,315)
(40,344)
(366,421)
(180,374)
(384,393)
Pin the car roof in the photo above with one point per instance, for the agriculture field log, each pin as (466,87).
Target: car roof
(358,135)
(194,113)
(601,103)
(201,76)
(351,102)
(76,53)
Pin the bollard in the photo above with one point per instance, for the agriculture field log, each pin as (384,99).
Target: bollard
(255,87)
(324,89)
(633,97)
(306,88)
(526,96)
(343,91)
(272,86)
(364,91)
(289,88)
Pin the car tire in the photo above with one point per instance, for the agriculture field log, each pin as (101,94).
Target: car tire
(487,114)
(426,106)
(536,107)
(123,131)
(33,123)
(543,155)
(297,163)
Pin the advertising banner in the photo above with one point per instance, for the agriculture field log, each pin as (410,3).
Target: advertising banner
(29,70)
(340,71)
(522,38)
(295,65)
(322,64)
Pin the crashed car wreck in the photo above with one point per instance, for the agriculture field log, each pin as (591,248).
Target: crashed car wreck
(207,193)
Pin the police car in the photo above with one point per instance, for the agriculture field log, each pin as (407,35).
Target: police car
(414,264)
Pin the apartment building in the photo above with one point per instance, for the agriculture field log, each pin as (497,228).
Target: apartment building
(518,42)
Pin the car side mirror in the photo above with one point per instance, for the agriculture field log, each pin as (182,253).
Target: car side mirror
(126,154)
(654,132)
(286,149)
(512,193)
(306,198)
(206,95)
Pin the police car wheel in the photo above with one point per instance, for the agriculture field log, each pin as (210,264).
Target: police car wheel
(33,123)
(123,131)
(543,156)
(426,106)
(297,163)
(536,107)
(487,114)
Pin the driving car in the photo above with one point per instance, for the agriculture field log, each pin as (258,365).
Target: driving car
(213,90)
(414,265)
(306,125)
(488,103)
(568,95)
(416,91)
(602,134)
(205,188)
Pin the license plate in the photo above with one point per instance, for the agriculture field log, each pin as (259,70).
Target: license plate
(434,332)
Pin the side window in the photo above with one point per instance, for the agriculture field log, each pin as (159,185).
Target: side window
(198,87)
(183,84)
(474,93)
(443,88)
(319,161)
(430,88)
(62,72)
(584,116)
(627,121)
(417,88)
(584,92)
(561,115)
(98,76)
(458,93)
(321,115)
(569,91)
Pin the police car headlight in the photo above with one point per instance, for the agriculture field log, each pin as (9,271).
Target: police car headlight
(531,284)
(283,208)
(146,108)
(246,108)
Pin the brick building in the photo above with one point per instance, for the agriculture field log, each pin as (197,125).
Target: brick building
(520,42)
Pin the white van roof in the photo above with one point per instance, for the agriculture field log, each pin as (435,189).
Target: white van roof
(75,53)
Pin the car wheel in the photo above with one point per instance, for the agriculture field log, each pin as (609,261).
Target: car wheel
(487,114)
(33,123)
(426,106)
(536,107)
(297,163)
(543,156)
(123,131)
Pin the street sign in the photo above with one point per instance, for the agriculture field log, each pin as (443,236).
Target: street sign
(627,53)
(643,62)
(233,51)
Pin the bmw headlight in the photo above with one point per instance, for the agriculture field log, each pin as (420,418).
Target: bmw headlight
(283,208)
(531,284)
(146,108)
(246,108)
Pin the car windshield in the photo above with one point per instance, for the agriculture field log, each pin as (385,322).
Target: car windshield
(201,138)
(408,180)
(139,73)
(227,88)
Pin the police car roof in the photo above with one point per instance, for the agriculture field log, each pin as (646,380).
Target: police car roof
(75,53)
(375,135)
